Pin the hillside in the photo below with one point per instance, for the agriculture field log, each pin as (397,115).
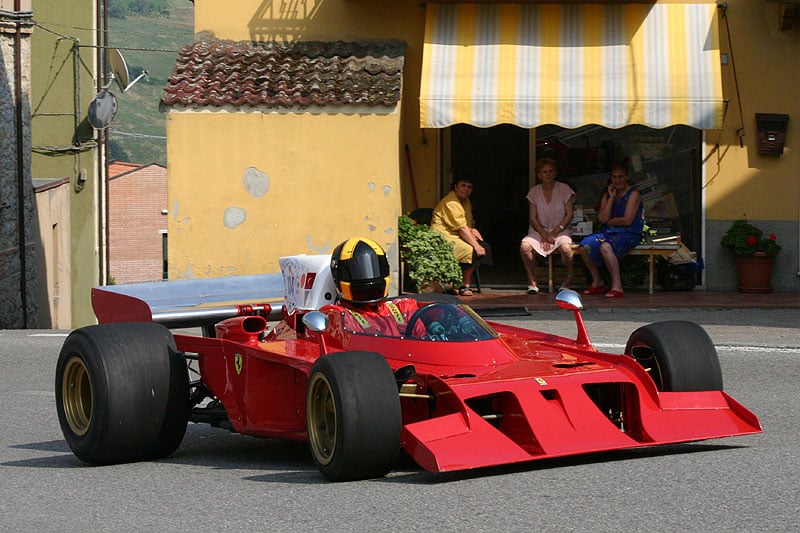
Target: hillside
(138,131)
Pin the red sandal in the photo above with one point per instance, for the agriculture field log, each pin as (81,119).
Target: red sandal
(595,290)
(614,294)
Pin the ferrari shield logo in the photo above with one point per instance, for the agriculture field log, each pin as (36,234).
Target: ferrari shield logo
(237,363)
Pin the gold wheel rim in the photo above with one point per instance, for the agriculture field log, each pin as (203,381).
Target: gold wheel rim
(76,396)
(321,413)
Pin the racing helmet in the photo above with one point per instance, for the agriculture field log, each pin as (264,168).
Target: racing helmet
(360,270)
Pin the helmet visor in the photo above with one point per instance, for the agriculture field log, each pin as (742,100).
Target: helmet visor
(365,291)
(365,267)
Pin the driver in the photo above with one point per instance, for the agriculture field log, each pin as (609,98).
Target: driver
(360,271)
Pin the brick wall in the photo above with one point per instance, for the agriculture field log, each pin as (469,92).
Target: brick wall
(137,195)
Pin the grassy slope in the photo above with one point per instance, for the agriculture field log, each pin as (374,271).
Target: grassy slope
(138,108)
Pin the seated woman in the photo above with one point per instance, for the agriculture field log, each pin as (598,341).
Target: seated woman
(621,217)
(452,217)
(550,213)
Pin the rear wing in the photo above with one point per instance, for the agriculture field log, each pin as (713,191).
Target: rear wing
(304,283)
(190,303)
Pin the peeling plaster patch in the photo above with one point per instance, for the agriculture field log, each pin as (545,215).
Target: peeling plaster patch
(389,231)
(187,274)
(256,182)
(175,209)
(323,248)
(372,227)
(387,190)
(371,185)
(233,217)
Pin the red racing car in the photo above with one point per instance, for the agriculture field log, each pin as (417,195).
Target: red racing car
(452,392)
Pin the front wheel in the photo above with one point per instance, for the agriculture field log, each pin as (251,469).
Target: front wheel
(122,393)
(678,355)
(353,415)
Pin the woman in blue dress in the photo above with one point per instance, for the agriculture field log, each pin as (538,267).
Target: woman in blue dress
(621,218)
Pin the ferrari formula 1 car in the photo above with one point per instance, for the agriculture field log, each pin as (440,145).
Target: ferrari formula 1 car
(453,392)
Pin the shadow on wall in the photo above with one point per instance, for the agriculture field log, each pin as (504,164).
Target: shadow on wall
(282,21)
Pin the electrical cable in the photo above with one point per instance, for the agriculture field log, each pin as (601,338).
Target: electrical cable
(740,131)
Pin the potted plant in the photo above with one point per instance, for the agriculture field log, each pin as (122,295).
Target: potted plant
(428,257)
(755,255)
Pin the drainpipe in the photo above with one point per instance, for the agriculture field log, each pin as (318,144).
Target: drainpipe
(102,145)
(18,93)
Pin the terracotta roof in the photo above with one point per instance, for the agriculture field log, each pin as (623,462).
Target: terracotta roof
(115,168)
(275,75)
(118,169)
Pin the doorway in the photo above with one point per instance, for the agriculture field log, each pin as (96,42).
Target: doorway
(497,161)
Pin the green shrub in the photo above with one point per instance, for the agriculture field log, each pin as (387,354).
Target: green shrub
(427,255)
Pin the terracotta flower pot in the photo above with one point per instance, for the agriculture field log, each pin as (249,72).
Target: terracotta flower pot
(755,272)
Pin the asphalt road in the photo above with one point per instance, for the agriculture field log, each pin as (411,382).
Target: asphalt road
(222,481)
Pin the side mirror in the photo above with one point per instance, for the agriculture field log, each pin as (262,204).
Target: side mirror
(569,299)
(315,321)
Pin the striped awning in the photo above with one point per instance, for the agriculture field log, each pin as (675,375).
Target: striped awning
(571,64)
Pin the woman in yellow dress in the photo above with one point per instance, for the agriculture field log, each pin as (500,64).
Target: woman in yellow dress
(452,217)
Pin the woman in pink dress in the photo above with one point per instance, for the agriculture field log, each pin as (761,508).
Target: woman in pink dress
(550,204)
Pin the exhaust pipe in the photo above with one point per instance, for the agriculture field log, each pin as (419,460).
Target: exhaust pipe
(242,329)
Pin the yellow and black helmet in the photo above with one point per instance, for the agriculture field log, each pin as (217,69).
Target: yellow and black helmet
(360,270)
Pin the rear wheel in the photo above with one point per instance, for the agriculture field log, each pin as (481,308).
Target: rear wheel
(353,415)
(122,393)
(678,355)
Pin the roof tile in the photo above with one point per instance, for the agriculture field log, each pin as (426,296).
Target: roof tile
(275,75)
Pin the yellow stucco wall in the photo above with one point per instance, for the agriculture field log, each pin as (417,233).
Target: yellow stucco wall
(740,183)
(347,20)
(247,188)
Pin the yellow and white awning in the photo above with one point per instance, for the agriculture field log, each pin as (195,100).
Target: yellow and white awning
(571,64)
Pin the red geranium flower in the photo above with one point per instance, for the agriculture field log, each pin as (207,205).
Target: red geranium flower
(744,238)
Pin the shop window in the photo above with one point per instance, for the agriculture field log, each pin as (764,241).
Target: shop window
(664,167)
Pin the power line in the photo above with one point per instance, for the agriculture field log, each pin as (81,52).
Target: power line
(140,135)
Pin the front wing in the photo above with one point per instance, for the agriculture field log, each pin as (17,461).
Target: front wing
(535,419)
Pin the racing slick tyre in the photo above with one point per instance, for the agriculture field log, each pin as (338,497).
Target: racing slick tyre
(353,415)
(122,392)
(678,355)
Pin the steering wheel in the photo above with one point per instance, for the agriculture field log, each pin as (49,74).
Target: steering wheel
(434,329)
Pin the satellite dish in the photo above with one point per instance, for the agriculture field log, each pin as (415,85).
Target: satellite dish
(119,70)
(102,110)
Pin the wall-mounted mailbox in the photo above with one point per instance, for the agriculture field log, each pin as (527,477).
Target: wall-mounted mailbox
(771,132)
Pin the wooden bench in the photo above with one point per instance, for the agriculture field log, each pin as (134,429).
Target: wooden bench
(650,250)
